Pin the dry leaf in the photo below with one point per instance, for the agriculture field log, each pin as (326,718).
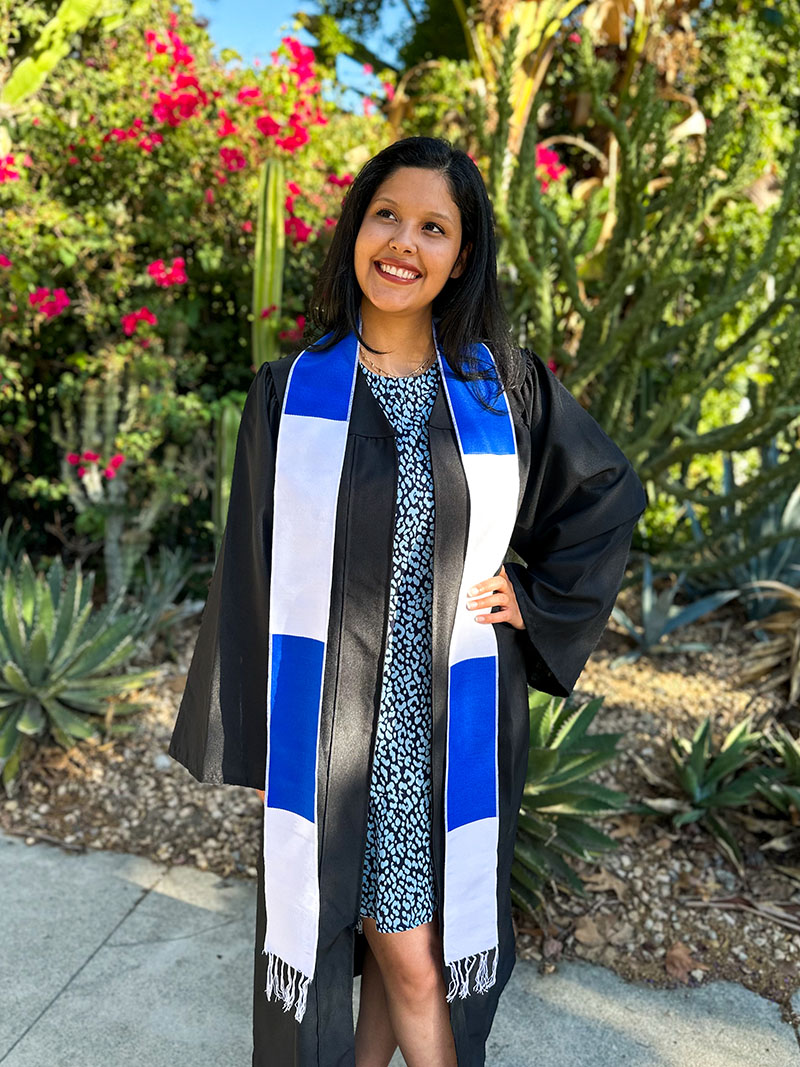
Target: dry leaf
(678,962)
(665,842)
(623,934)
(628,825)
(603,881)
(587,933)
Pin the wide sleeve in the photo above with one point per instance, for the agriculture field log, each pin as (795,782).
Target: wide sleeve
(220,730)
(574,528)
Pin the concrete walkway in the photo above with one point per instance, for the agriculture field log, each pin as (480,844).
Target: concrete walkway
(109,960)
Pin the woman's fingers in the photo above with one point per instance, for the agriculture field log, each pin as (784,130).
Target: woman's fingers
(495,591)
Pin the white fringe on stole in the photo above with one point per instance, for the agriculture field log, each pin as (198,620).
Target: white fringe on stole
(287,984)
(459,974)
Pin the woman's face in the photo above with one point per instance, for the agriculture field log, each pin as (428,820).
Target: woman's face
(411,220)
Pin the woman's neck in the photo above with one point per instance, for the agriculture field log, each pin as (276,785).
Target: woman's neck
(405,342)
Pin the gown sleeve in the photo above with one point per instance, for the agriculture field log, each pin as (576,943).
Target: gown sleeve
(573,530)
(220,730)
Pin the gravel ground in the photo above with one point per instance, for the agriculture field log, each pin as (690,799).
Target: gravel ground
(665,907)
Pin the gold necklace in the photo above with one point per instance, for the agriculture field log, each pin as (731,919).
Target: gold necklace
(428,361)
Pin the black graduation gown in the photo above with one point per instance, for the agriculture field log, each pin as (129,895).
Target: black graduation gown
(579,502)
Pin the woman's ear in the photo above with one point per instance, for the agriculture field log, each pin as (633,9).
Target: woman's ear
(461,262)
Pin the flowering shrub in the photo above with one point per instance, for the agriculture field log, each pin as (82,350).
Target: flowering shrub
(127,200)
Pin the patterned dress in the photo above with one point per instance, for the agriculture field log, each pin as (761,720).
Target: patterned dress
(397,882)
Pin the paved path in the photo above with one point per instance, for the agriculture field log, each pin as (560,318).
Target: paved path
(109,959)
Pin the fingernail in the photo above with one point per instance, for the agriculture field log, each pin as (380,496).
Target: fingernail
(472,591)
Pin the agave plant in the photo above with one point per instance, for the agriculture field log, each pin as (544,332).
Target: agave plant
(660,617)
(777,657)
(156,594)
(56,652)
(784,795)
(765,546)
(557,797)
(715,781)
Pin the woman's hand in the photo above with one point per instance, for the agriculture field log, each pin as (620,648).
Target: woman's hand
(496,590)
(261,794)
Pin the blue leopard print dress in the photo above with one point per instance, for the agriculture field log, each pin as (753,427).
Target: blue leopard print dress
(397,887)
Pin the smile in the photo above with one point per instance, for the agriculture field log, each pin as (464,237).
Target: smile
(395,274)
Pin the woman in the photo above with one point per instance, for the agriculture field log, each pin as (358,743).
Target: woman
(392,741)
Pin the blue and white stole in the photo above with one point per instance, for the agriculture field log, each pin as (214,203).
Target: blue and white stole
(312,437)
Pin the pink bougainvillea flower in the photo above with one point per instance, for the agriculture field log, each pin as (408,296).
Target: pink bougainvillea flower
(551,363)
(38,295)
(368,104)
(297,229)
(265,314)
(247,226)
(209,196)
(92,457)
(367,68)
(226,127)
(232,158)
(329,222)
(81,471)
(73,458)
(133,318)
(267,125)
(347,179)
(221,176)
(575,38)
(116,461)
(149,140)
(109,472)
(4,260)
(249,94)
(176,275)
(297,138)
(388,89)
(296,334)
(49,304)
(547,160)
(51,308)
(7,173)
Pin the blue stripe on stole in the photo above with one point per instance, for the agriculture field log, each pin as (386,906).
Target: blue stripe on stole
(294,701)
(316,383)
(479,430)
(471,744)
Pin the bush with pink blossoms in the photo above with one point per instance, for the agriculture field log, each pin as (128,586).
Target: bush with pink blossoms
(127,201)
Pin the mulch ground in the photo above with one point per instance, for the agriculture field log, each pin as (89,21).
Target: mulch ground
(665,907)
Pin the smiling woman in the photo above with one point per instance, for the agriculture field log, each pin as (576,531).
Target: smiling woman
(409,245)
(381,475)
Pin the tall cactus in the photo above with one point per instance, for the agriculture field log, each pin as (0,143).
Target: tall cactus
(267,294)
(227,431)
(268,266)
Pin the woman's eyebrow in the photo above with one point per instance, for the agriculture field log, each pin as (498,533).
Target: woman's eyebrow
(433,214)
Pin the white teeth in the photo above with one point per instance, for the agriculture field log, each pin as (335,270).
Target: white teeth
(396,270)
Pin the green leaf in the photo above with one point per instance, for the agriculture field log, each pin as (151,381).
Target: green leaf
(72,724)
(16,679)
(32,721)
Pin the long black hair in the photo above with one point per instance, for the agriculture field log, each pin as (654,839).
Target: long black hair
(469,308)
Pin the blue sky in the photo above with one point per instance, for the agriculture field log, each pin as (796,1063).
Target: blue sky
(255,30)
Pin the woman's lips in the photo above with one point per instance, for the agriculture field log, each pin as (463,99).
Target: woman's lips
(394,278)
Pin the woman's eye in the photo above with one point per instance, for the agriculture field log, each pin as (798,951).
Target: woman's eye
(390,212)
